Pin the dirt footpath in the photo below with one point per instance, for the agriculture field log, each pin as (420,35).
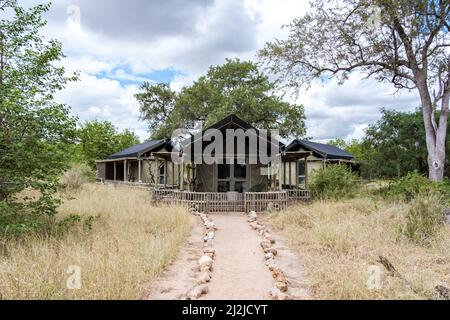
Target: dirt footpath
(239,270)
(293,268)
(180,276)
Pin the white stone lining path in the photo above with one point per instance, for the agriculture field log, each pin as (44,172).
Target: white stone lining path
(286,269)
(239,271)
(226,260)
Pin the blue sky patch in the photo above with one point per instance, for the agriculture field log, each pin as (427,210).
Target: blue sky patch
(126,77)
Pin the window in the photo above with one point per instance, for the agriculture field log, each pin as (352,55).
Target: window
(301,173)
(240,186)
(223,186)
(224,171)
(231,177)
(240,171)
(162,173)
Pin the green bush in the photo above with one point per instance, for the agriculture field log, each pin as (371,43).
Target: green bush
(78,175)
(27,213)
(334,182)
(413,184)
(424,217)
(17,221)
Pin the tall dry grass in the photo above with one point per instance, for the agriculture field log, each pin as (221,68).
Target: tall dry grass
(129,244)
(339,241)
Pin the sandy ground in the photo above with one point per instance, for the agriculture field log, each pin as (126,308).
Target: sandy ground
(292,267)
(180,276)
(239,271)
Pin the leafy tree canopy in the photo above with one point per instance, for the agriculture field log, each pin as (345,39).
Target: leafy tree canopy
(100,139)
(393,146)
(237,87)
(35,132)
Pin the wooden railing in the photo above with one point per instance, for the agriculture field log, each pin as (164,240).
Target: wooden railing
(136,185)
(266,201)
(298,195)
(232,202)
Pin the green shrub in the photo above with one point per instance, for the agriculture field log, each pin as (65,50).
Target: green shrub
(413,184)
(17,221)
(424,217)
(78,175)
(20,217)
(334,182)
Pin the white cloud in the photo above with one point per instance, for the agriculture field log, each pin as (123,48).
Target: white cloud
(343,111)
(117,43)
(104,99)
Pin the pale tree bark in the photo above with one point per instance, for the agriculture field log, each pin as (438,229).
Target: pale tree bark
(437,156)
(435,132)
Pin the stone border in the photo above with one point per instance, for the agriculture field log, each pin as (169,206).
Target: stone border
(278,292)
(205,263)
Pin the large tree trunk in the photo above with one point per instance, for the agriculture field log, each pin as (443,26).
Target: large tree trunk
(436,163)
(435,133)
(436,150)
(437,159)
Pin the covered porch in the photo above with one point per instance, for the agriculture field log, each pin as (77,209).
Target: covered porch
(240,187)
(287,172)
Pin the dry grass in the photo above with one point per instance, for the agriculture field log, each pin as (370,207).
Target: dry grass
(128,246)
(339,241)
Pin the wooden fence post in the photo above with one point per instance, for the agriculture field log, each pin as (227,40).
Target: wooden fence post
(207,203)
(245,203)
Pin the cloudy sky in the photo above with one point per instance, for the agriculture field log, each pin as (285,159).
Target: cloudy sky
(116,45)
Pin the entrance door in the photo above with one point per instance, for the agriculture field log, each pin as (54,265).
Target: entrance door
(232,178)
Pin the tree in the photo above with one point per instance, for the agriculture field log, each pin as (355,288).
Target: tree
(365,154)
(403,42)
(125,139)
(100,139)
(35,132)
(399,139)
(157,103)
(237,87)
(393,146)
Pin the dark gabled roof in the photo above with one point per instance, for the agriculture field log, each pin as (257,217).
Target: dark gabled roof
(137,150)
(230,122)
(320,149)
(232,119)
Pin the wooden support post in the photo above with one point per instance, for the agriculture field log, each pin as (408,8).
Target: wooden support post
(115,171)
(165,173)
(297,163)
(125,171)
(245,203)
(156,172)
(306,173)
(182,177)
(189,178)
(173,175)
(280,173)
(290,174)
(140,171)
(284,176)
